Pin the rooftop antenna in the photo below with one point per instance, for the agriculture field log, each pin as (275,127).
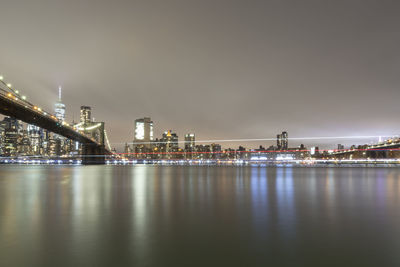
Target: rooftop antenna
(59,93)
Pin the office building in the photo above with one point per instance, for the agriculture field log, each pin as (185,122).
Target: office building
(35,134)
(142,141)
(59,107)
(169,141)
(12,135)
(282,141)
(190,145)
(143,131)
(86,114)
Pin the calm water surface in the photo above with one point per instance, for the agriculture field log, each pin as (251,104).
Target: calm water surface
(198,216)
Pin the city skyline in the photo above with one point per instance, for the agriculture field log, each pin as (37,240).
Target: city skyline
(30,140)
(221,70)
(144,141)
(85,117)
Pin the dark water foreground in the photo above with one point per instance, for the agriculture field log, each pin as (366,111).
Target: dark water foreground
(199,216)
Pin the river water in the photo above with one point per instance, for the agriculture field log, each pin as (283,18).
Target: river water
(198,216)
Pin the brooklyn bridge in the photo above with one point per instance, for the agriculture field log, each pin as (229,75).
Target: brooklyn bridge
(15,105)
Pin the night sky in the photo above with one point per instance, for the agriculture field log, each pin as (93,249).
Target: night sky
(221,69)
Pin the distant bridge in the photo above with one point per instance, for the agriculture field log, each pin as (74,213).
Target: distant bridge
(387,149)
(14,105)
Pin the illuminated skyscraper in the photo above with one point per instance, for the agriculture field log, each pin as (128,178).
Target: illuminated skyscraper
(12,135)
(190,145)
(282,141)
(170,142)
(190,142)
(35,136)
(143,131)
(278,141)
(86,114)
(59,107)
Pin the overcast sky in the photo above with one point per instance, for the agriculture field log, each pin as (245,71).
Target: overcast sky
(221,69)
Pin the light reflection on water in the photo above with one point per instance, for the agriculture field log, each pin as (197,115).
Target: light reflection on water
(198,216)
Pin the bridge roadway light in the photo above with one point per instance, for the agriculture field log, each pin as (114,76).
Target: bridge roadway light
(1,77)
(9,85)
(24,97)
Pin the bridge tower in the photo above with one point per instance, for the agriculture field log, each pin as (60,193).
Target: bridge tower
(93,153)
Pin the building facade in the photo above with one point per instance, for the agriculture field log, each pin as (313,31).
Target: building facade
(85,114)
(59,107)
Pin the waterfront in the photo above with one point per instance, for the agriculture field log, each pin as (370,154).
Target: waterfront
(198,216)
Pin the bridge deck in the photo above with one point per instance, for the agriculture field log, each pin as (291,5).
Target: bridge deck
(11,105)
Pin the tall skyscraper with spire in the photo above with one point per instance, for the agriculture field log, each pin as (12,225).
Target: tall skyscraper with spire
(59,107)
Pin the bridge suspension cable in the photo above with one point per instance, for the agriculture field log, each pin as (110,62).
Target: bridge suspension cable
(88,128)
(107,141)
